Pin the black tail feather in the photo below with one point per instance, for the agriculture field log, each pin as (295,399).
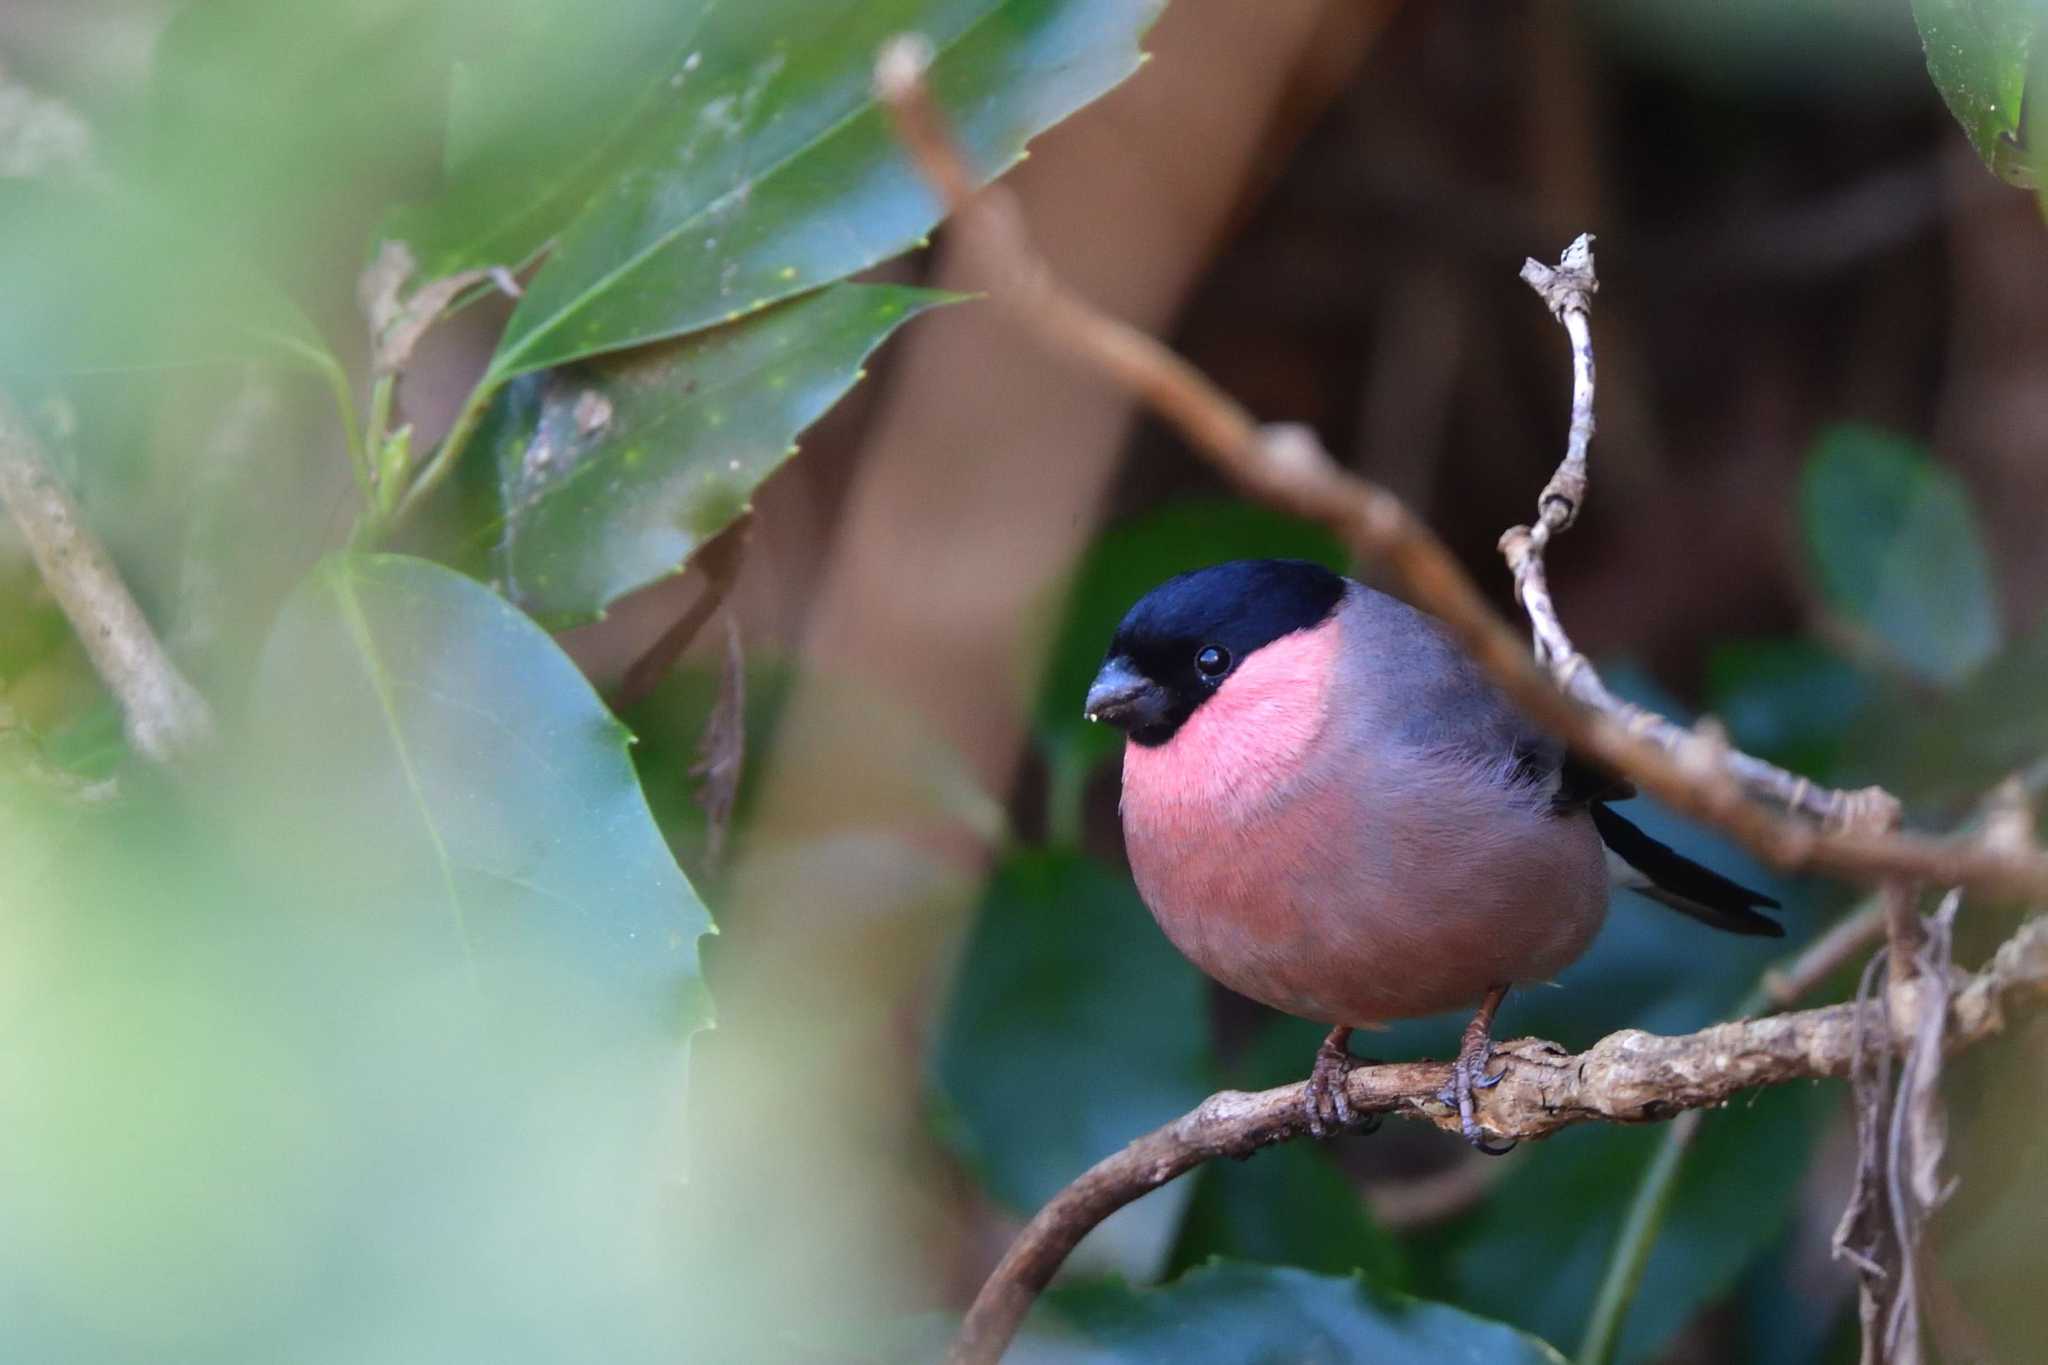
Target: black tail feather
(1682,884)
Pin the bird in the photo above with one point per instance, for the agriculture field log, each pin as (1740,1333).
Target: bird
(1329,808)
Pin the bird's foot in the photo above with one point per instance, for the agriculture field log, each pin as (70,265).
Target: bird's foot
(1329,1108)
(1469,1073)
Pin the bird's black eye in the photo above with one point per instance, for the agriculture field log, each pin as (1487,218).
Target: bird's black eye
(1213,661)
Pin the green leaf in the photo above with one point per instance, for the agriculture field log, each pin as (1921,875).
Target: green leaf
(1231,1313)
(1067,989)
(1128,561)
(1790,701)
(1978,53)
(608,475)
(393,1009)
(279,124)
(537,120)
(1286,1205)
(1948,750)
(1289,1204)
(110,280)
(668,727)
(768,168)
(1897,552)
(500,825)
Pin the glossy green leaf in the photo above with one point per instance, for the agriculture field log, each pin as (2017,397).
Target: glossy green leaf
(1067,989)
(1978,52)
(606,476)
(1897,552)
(767,168)
(1230,1314)
(537,119)
(501,827)
(1130,560)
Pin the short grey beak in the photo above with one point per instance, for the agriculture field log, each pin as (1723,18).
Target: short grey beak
(1123,697)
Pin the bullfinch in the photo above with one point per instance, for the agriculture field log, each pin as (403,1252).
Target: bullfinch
(1328,808)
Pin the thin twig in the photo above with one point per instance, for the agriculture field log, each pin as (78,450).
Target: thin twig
(164,717)
(1845,939)
(1568,288)
(718,563)
(2005,821)
(1288,468)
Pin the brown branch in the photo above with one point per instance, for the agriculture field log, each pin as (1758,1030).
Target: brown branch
(1826,955)
(1627,1077)
(1287,468)
(164,717)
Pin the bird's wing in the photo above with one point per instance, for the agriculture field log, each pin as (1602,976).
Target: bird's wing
(1441,701)
(1670,878)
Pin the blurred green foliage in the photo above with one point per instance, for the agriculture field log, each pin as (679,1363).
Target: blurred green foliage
(1068,989)
(1229,1313)
(1897,553)
(372,1028)
(366,1036)
(1286,1205)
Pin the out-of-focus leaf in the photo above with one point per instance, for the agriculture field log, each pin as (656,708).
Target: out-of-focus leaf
(105,280)
(1230,1313)
(1992,1253)
(1784,1308)
(606,476)
(1790,701)
(1533,1254)
(1897,552)
(1130,560)
(1978,53)
(276,123)
(669,722)
(1949,750)
(1286,1205)
(537,117)
(1802,53)
(393,1010)
(1074,1027)
(768,168)
(499,820)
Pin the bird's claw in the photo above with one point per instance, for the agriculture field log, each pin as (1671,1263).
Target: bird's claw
(1324,1097)
(1469,1073)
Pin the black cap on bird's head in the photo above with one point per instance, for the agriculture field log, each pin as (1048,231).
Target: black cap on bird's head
(1182,639)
